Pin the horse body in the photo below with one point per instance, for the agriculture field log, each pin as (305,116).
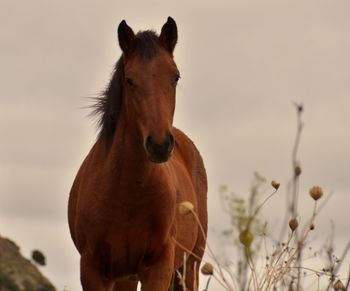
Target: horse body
(123,208)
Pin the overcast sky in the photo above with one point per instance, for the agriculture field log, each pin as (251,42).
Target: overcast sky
(242,64)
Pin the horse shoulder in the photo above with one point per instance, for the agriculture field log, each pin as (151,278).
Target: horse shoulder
(80,183)
(192,158)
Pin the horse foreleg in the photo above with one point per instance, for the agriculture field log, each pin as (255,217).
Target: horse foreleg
(91,279)
(157,275)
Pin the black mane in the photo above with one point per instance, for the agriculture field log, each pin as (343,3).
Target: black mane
(108,104)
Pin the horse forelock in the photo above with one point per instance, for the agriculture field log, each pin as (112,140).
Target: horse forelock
(147,44)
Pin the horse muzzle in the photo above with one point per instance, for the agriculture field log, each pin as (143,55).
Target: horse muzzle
(160,153)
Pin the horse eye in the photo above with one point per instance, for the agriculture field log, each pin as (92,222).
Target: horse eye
(130,82)
(176,79)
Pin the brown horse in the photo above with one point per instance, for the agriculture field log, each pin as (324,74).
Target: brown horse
(123,206)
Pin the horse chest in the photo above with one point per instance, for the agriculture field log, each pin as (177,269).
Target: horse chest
(133,226)
(125,245)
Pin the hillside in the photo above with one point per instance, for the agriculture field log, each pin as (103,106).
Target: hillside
(18,273)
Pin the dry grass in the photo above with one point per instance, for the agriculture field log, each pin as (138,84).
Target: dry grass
(265,263)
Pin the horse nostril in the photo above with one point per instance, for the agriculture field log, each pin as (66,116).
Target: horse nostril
(171,138)
(171,141)
(149,142)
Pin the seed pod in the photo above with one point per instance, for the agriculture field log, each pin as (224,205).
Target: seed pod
(316,192)
(293,224)
(297,171)
(207,269)
(275,184)
(185,207)
(339,286)
(246,238)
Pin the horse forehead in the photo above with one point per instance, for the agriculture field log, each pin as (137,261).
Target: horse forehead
(161,63)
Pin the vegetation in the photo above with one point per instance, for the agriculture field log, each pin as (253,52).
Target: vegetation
(38,257)
(264,262)
(17,273)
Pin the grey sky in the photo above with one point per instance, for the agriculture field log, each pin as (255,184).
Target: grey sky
(242,64)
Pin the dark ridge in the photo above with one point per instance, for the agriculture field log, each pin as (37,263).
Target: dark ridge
(108,104)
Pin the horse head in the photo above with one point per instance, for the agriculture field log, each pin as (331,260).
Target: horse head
(149,86)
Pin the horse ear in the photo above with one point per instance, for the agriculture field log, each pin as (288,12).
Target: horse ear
(168,35)
(127,38)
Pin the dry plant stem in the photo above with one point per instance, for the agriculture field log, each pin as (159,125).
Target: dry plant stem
(223,278)
(184,273)
(172,282)
(292,188)
(348,282)
(207,285)
(273,266)
(295,186)
(185,249)
(231,275)
(211,252)
(198,258)
(277,272)
(307,229)
(309,269)
(253,194)
(298,252)
(253,270)
(325,201)
(287,213)
(299,256)
(219,281)
(249,282)
(295,161)
(285,248)
(180,278)
(336,269)
(274,276)
(195,284)
(295,189)
(262,204)
(261,275)
(330,258)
